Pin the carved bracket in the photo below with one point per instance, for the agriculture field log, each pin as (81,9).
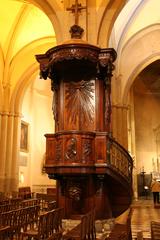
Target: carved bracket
(105,68)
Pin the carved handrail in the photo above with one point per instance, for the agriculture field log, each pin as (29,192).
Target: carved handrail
(119,159)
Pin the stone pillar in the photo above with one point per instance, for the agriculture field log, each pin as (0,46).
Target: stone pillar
(3,144)
(119,127)
(9,162)
(9,150)
(132,144)
(15,153)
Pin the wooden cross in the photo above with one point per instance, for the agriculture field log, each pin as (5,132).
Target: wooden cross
(76,9)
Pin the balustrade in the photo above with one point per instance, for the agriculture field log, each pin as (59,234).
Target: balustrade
(73,148)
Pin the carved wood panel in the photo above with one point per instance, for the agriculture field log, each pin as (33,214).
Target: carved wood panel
(80,105)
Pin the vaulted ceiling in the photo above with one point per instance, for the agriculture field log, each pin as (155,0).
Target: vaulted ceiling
(21,24)
(25,23)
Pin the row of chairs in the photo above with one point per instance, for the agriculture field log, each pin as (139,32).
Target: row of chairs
(49,226)
(13,201)
(84,230)
(29,222)
(12,205)
(19,220)
(22,193)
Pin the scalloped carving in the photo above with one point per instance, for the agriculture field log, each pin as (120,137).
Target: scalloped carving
(79,101)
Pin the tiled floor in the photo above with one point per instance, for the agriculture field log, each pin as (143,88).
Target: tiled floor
(143,213)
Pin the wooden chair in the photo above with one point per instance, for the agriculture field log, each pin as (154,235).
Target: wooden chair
(54,223)
(31,215)
(7,219)
(155,230)
(25,192)
(47,202)
(30,202)
(40,232)
(19,219)
(5,233)
(90,225)
(79,232)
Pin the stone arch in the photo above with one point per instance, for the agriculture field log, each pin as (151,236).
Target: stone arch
(51,10)
(142,54)
(33,48)
(108,16)
(21,86)
(136,71)
(129,20)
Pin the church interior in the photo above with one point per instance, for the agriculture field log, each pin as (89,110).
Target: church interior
(79,110)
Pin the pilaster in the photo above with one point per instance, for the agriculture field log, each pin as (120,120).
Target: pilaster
(3,144)
(9,148)
(15,153)
(119,127)
(132,144)
(9,145)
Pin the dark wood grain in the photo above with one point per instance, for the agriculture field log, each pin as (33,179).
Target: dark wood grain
(92,170)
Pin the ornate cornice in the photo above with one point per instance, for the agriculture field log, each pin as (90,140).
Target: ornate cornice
(75,51)
(67,52)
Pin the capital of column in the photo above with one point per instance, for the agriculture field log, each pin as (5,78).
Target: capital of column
(10,114)
(121,106)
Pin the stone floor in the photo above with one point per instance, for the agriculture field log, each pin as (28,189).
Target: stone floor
(143,213)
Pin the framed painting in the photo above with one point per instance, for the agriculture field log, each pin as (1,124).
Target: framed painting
(24,137)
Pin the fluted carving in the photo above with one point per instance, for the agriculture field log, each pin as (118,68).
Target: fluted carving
(79,101)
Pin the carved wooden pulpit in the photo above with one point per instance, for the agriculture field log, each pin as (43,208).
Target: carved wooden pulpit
(77,154)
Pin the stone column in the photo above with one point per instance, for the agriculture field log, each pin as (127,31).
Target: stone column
(119,127)
(15,153)
(3,144)
(8,161)
(9,150)
(132,144)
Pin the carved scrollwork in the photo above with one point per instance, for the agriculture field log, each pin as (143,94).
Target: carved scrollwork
(105,68)
(106,55)
(58,150)
(107,81)
(87,149)
(74,193)
(44,70)
(74,52)
(71,149)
